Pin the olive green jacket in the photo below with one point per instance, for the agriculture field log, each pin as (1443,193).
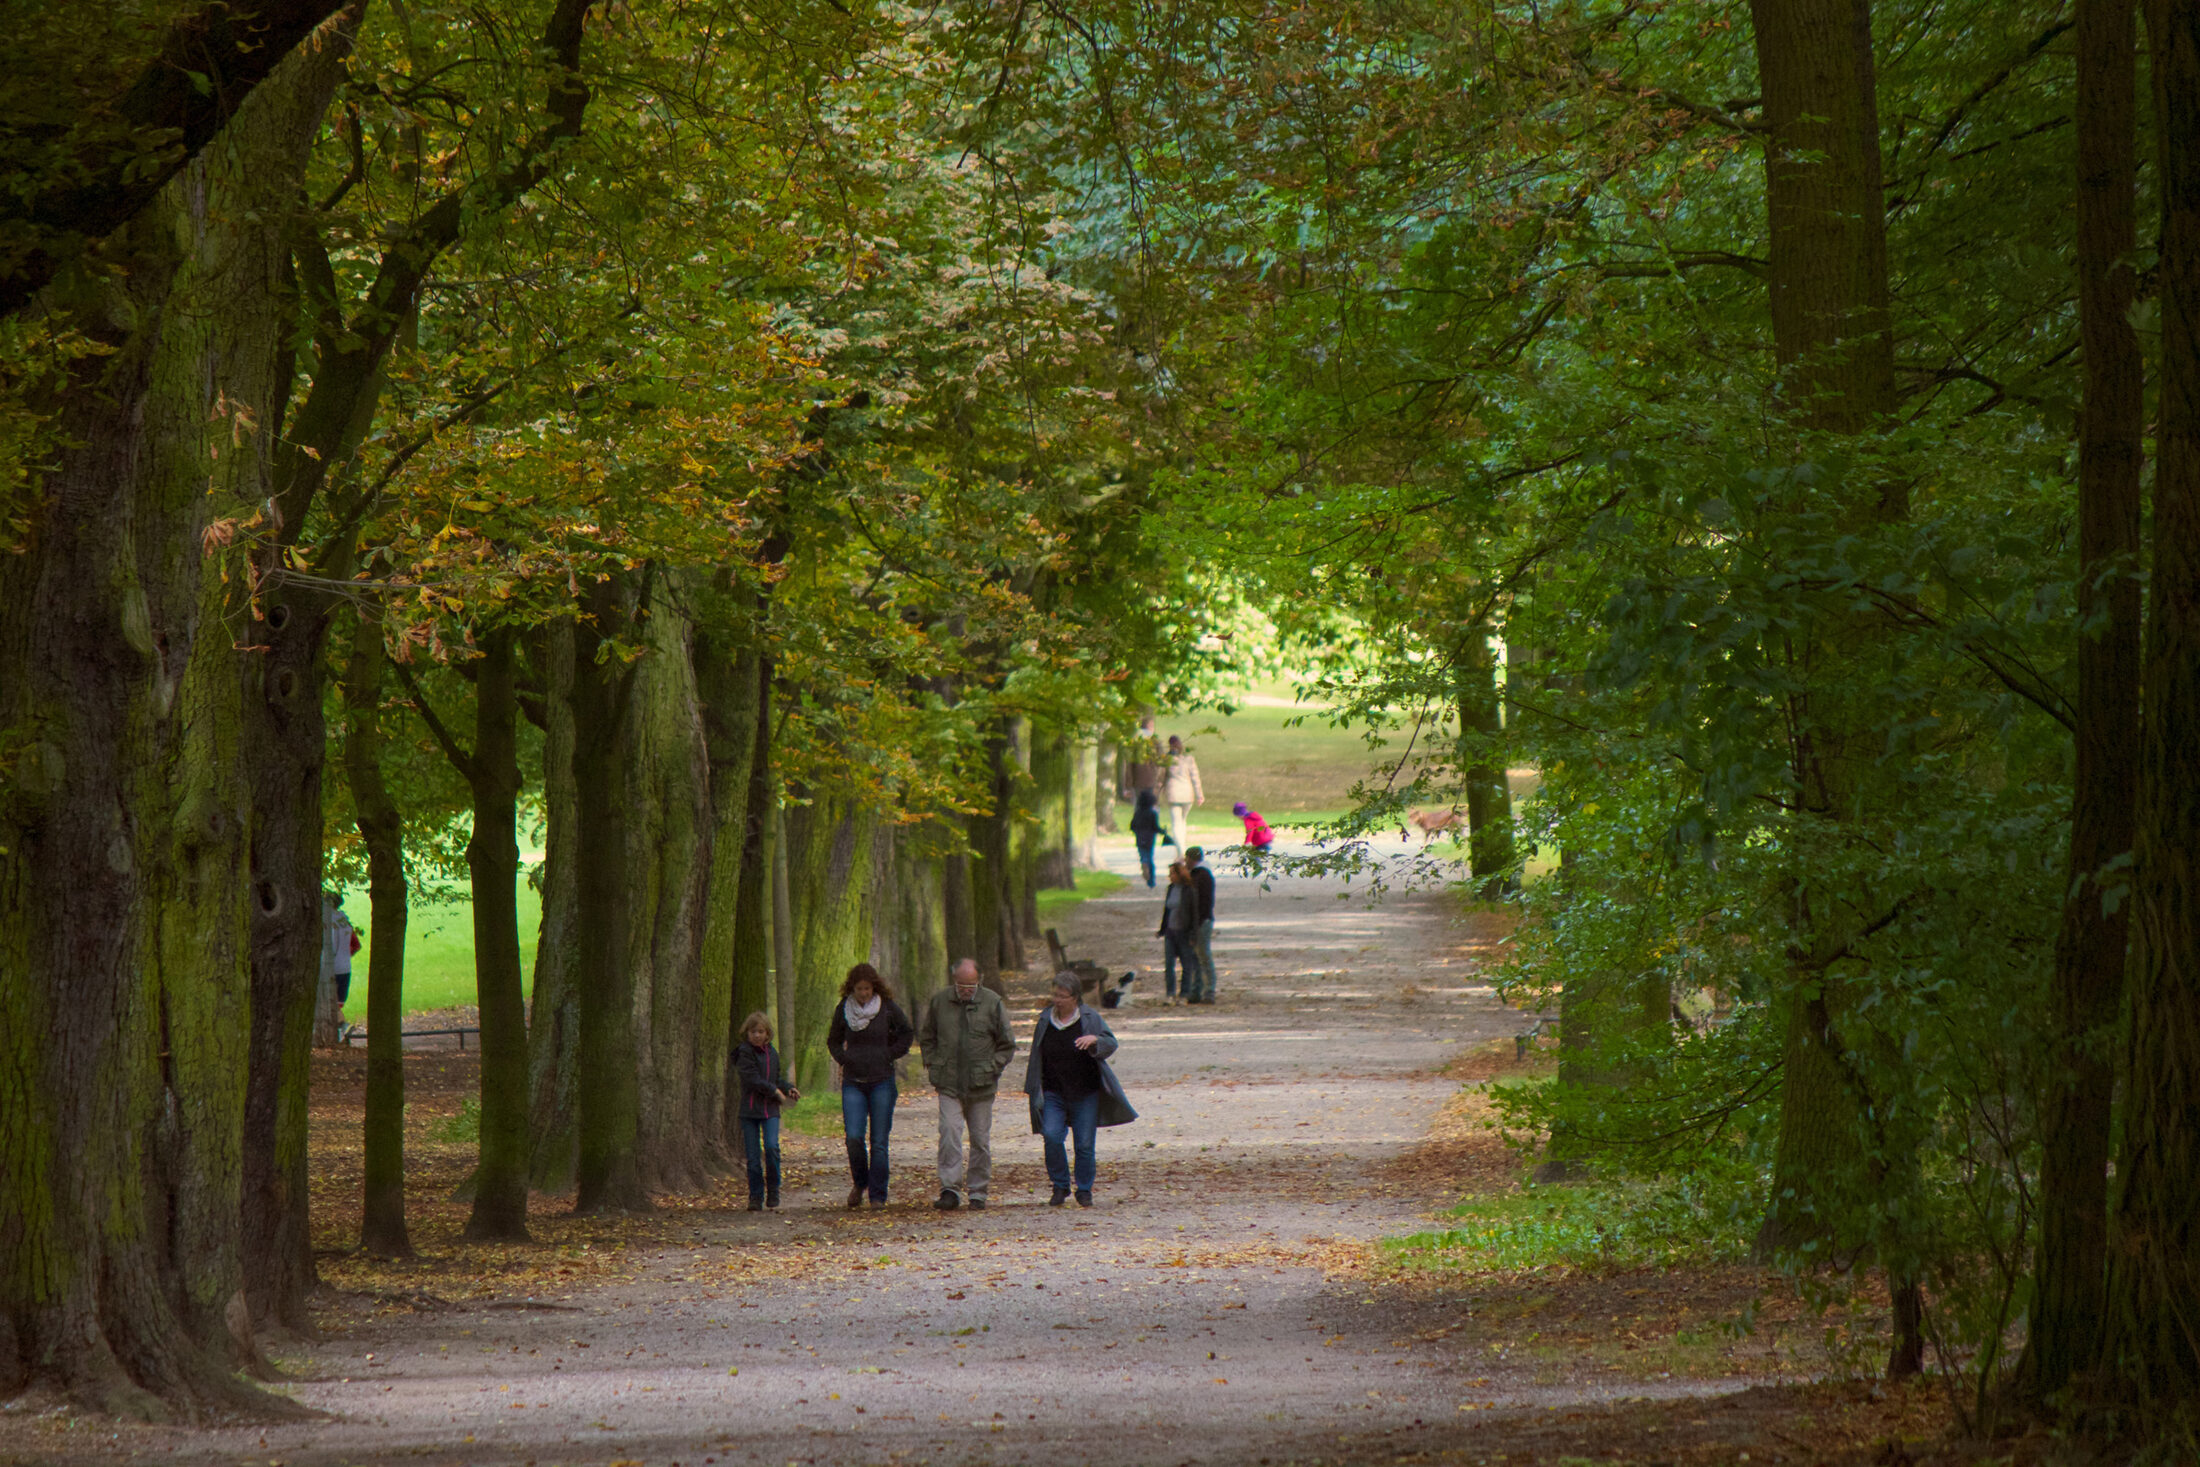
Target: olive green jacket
(966,1044)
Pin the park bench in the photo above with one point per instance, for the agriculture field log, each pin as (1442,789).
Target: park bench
(1090,976)
(461,1031)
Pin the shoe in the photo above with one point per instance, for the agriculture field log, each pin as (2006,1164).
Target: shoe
(855,1197)
(977,1204)
(878,1202)
(948,1200)
(771,1200)
(1061,1195)
(1084,1199)
(756,1204)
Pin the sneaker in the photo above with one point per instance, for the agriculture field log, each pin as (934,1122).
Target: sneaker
(1084,1199)
(977,1204)
(948,1200)
(855,1197)
(1061,1195)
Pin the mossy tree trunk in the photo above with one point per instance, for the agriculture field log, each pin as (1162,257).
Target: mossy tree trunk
(124,973)
(492,859)
(2071,1270)
(554,1024)
(2153,1327)
(1482,767)
(382,1232)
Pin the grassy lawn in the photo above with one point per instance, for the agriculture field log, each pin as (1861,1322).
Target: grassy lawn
(439,952)
(1053,904)
(1255,755)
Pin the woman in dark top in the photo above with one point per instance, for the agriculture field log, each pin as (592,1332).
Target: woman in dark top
(1072,1089)
(764,1088)
(868,1033)
(1146,829)
(1179,921)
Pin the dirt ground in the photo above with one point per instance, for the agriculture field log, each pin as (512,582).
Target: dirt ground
(1226,1300)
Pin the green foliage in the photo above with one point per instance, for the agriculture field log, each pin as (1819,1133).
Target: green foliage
(1704,1218)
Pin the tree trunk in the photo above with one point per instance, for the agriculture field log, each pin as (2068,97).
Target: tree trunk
(2068,1301)
(752,935)
(124,988)
(679,1009)
(382,1232)
(783,945)
(492,858)
(2153,1329)
(1053,780)
(830,866)
(608,1173)
(1830,317)
(728,679)
(1489,796)
(554,1020)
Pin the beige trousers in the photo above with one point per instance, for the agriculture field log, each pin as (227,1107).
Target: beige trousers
(957,1174)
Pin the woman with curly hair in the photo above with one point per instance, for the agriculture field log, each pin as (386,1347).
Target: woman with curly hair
(868,1033)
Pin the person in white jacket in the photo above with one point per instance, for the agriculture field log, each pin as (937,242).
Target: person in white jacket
(1180,787)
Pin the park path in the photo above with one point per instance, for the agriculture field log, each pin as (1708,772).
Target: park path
(1206,1310)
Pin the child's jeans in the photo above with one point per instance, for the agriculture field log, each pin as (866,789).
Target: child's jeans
(760,1143)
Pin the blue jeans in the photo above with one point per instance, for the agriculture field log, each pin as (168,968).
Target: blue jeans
(1145,862)
(1203,940)
(1081,1118)
(868,1107)
(1176,948)
(760,1144)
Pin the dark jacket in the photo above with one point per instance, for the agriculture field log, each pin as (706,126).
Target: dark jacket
(1203,883)
(1115,1107)
(763,1080)
(966,1044)
(867,1055)
(1146,820)
(1186,914)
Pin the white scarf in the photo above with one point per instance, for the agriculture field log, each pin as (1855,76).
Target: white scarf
(860,1015)
(1070,1022)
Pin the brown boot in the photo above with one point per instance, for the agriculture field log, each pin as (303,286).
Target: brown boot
(855,1196)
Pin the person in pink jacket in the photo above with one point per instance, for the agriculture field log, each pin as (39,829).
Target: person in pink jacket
(1257,833)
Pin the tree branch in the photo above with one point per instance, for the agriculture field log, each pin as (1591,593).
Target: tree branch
(462,761)
(114,162)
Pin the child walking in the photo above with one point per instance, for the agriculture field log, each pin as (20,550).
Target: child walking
(764,1089)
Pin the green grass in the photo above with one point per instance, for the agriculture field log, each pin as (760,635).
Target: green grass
(1617,1226)
(439,952)
(1255,756)
(1089,884)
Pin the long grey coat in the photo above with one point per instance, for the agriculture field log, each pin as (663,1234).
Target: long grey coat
(1115,1107)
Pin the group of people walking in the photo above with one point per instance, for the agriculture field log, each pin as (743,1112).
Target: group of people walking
(967,1043)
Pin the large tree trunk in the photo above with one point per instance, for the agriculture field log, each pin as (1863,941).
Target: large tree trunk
(2089,952)
(609,1175)
(728,678)
(123,968)
(680,1010)
(492,858)
(831,865)
(554,1020)
(2153,1334)
(1053,780)
(382,1232)
(1489,796)
(752,934)
(1829,306)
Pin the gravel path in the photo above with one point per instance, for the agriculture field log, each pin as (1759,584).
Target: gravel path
(1187,1317)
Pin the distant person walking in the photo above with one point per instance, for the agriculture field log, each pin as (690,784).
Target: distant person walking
(1257,833)
(1146,829)
(1179,921)
(339,942)
(868,1033)
(967,1043)
(1180,787)
(1073,1091)
(1203,928)
(764,1089)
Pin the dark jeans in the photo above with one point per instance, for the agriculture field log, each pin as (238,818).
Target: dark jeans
(1179,949)
(1203,943)
(868,1106)
(760,1144)
(1145,861)
(1078,1118)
